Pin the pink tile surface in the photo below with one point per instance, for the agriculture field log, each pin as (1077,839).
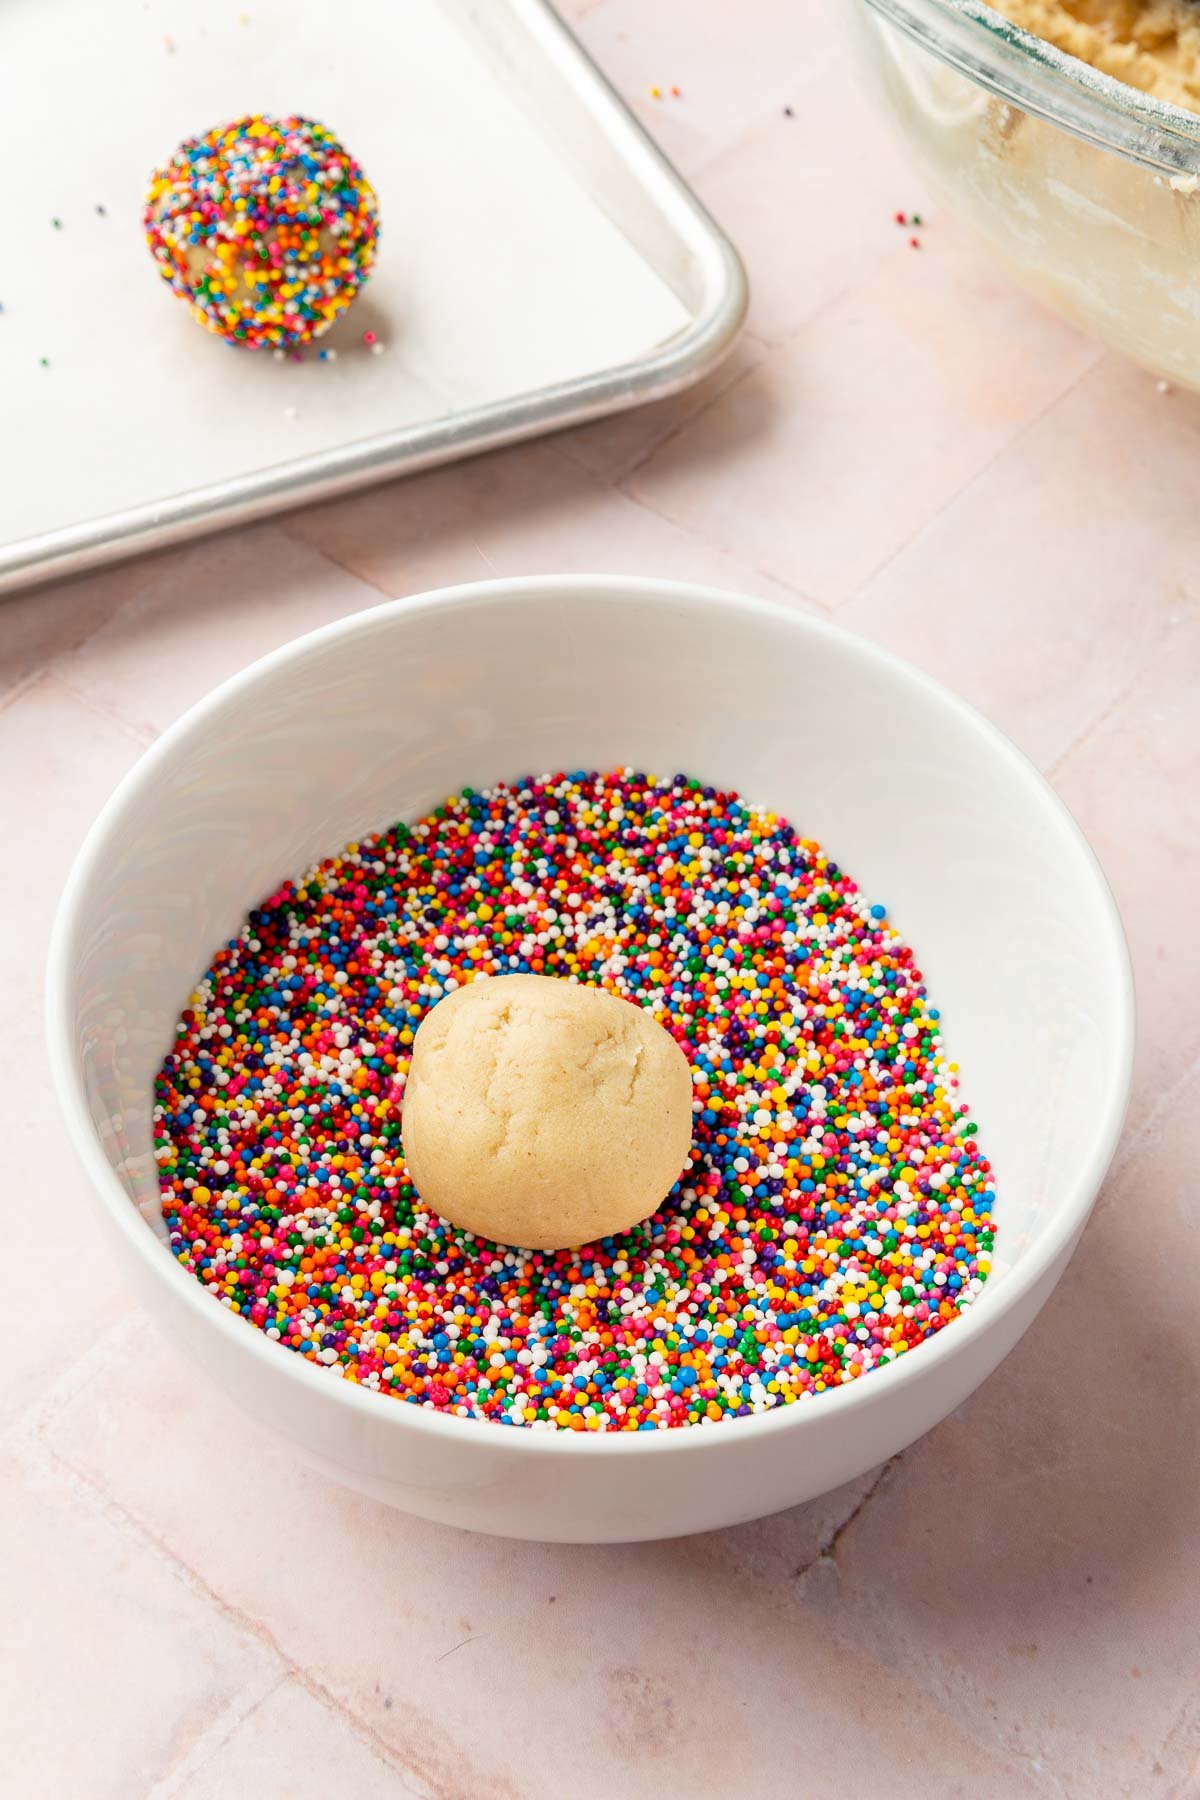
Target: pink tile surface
(613,447)
(1008,1608)
(1045,589)
(203,613)
(43,623)
(730,72)
(115,1664)
(60,760)
(1134,784)
(451,1676)
(811,222)
(532,510)
(293,1743)
(1045,1595)
(871,418)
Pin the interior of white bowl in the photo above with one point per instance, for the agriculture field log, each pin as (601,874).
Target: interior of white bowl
(382,716)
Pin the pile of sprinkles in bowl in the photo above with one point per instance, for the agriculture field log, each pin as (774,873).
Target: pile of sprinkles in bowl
(266,227)
(837,1208)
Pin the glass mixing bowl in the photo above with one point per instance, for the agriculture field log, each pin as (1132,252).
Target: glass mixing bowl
(1087,188)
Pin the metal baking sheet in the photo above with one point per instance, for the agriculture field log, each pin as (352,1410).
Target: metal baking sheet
(541,263)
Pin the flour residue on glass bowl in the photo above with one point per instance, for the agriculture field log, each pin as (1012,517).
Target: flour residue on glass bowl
(1086,187)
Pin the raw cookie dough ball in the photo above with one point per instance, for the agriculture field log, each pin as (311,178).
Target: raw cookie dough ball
(542,1113)
(266,227)
(1151,44)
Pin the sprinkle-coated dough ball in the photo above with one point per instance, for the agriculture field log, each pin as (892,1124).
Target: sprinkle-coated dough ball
(544,1114)
(266,227)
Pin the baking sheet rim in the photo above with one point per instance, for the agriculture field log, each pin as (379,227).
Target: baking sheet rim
(242,499)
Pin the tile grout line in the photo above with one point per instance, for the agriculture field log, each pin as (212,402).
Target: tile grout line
(621,473)
(828,1551)
(51,666)
(142,735)
(1127,688)
(211,1742)
(22,686)
(738,558)
(831,60)
(619,487)
(768,346)
(300,542)
(833,606)
(852,286)
(132,565)
(1189,1786)
(1132,1140)
(81,1489)
(119,1515)
(282,522)
(830,1544)
(30,1423)
(27,1431)
(617,481)
(1027,425)
(46,666)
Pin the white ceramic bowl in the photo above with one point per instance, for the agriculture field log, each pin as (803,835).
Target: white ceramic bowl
(384,714)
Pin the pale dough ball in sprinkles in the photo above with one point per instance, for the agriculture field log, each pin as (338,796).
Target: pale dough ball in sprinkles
(266,227)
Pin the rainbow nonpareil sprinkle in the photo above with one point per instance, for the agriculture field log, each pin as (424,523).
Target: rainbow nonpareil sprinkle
(837,1208)
(266,227)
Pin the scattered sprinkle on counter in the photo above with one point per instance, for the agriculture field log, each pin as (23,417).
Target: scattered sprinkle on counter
(267,228)
(911,220)
(837,1208)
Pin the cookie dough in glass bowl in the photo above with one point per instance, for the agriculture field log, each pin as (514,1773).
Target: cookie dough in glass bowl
(1151,44)
(1087,187)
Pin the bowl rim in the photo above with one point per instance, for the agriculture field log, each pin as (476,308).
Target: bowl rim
(1029,72)
(988,1311)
